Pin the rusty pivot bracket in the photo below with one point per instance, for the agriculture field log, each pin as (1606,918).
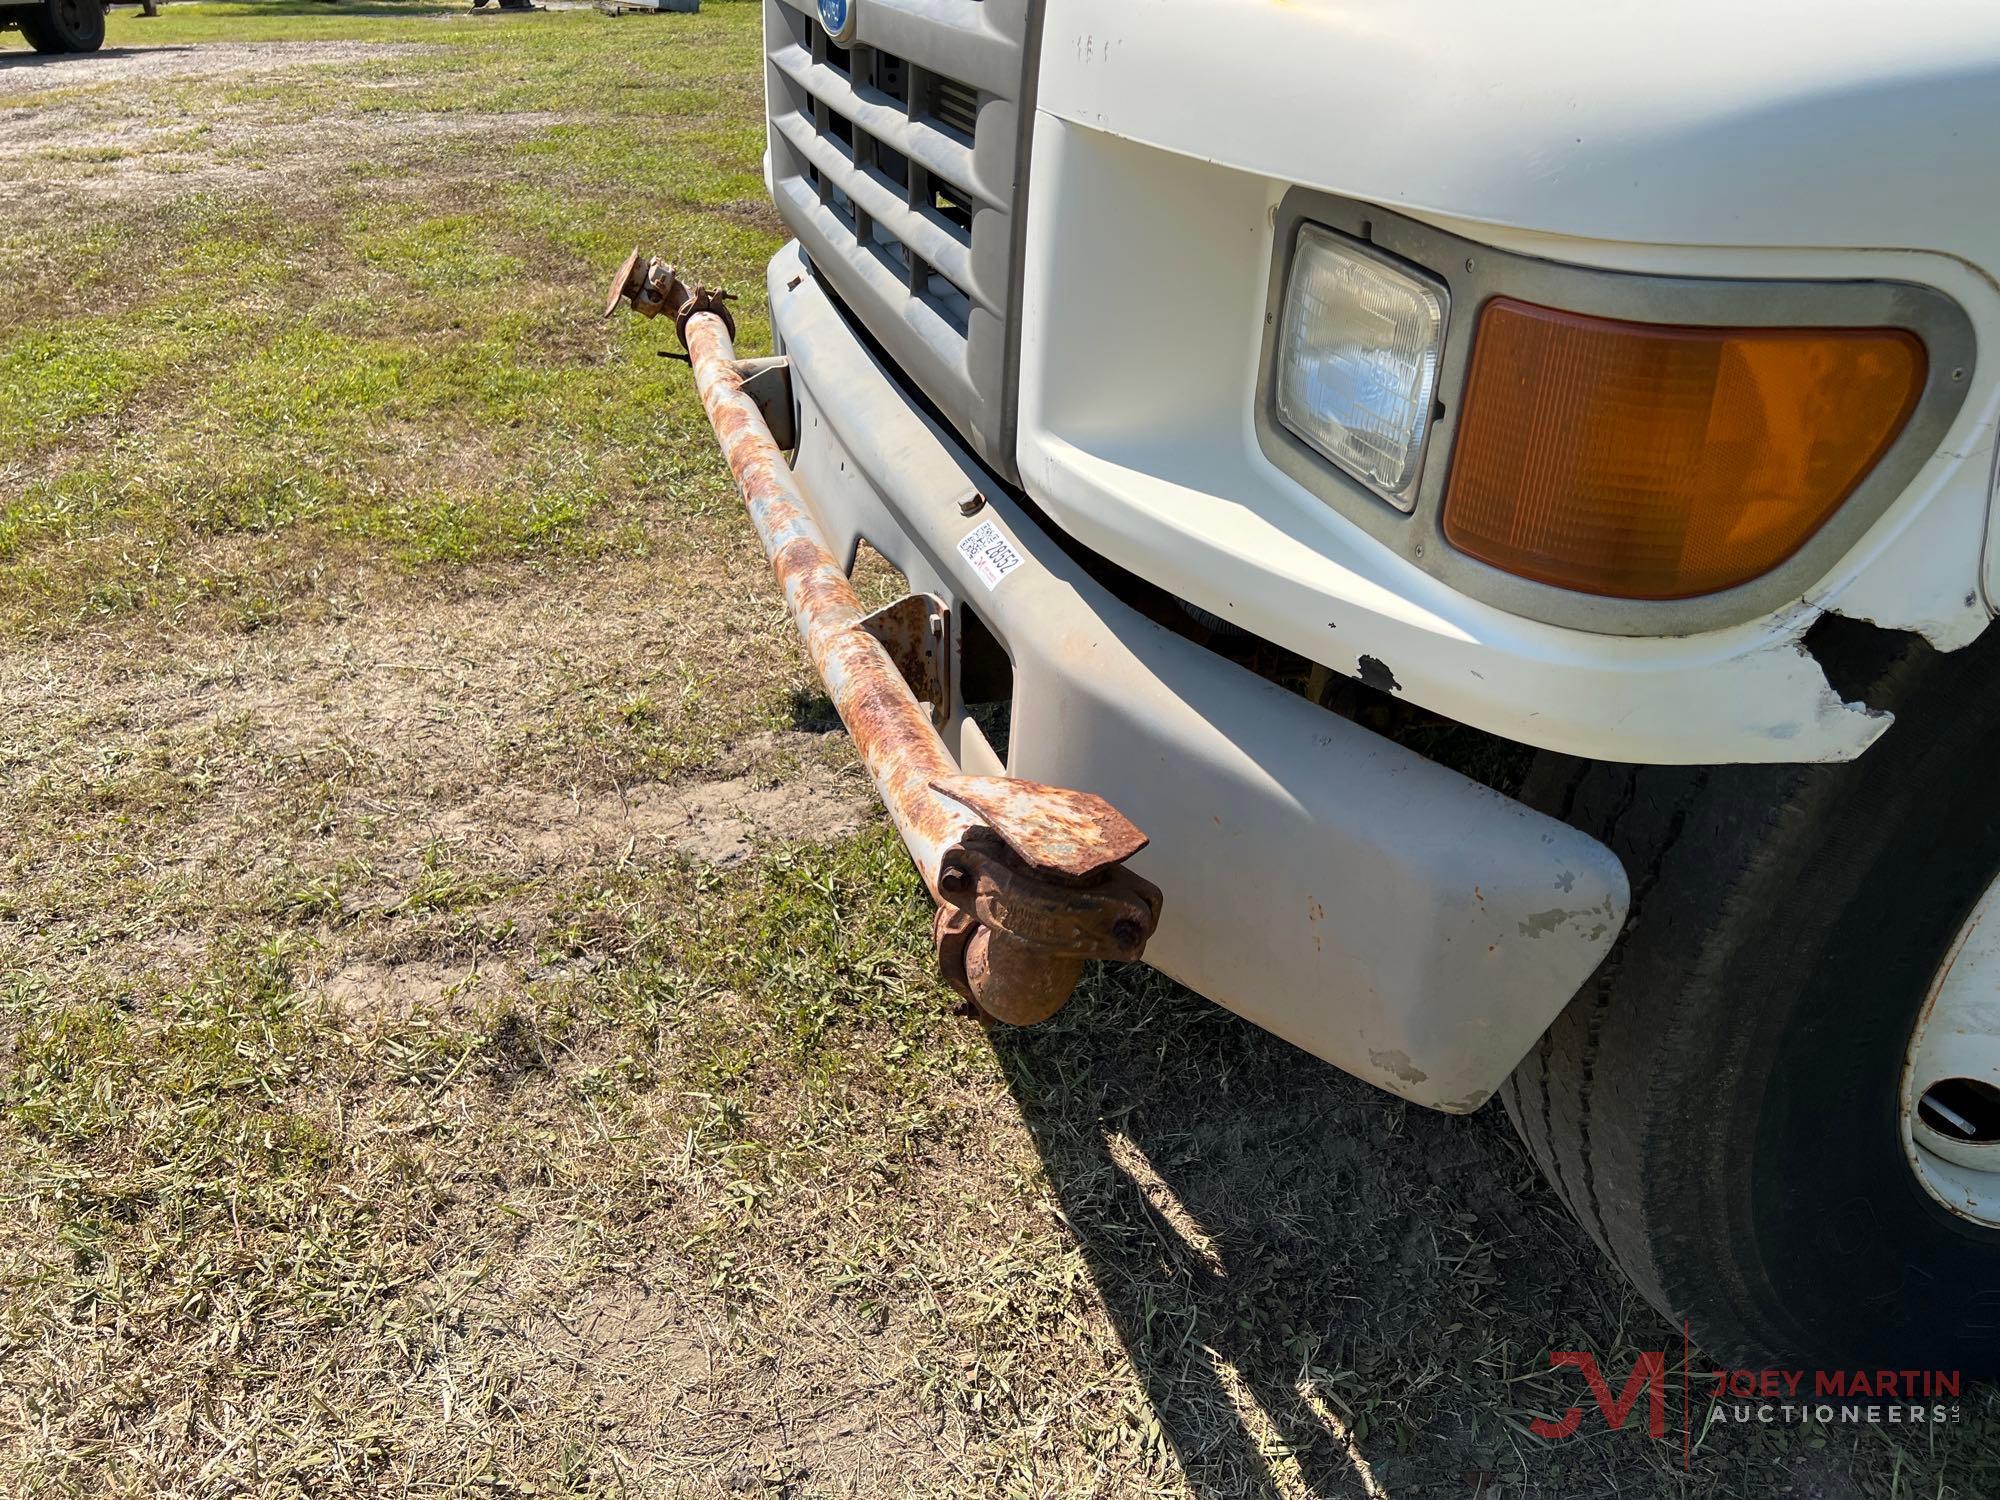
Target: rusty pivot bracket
(916,632)
(768,382)
(1033,891)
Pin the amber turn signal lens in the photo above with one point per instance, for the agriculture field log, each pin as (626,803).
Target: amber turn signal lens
(1645,461)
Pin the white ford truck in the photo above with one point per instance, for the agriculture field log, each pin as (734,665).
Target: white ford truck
(1504,500)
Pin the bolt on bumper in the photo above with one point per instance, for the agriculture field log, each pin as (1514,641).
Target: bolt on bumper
(1030,880)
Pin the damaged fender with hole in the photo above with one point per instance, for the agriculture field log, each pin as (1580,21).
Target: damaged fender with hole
(1153,460)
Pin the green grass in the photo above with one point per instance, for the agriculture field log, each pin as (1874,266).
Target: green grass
(408,312)
(54,378)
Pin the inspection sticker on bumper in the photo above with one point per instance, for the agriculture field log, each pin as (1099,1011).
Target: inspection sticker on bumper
(992,556)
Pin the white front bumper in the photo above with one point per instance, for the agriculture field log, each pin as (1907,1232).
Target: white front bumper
(1376,909)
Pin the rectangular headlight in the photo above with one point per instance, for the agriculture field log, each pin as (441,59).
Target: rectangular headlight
(1358,359)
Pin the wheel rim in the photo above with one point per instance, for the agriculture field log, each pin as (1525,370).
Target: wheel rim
(1950,1114)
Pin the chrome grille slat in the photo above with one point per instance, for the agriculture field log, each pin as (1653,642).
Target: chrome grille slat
(896,160)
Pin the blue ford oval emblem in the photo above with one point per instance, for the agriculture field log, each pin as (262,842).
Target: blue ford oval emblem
(837,16)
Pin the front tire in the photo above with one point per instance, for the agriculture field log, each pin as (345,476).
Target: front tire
(1722,1106)
(64,26)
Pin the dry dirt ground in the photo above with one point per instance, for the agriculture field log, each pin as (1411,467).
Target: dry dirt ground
(467,1028)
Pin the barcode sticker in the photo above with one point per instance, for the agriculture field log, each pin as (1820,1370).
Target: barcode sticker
(992,556)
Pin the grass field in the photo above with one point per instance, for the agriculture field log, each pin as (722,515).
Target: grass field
(467,1029)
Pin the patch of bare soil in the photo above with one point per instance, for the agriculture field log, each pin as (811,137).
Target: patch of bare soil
(366,991)
(816,1403)
(93,149)
(33,73)
(717,822)
(513,739)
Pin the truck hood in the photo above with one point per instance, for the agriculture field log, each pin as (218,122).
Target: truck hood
(1836,123)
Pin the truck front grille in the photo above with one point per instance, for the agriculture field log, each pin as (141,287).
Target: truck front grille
(896,161)
(953,104)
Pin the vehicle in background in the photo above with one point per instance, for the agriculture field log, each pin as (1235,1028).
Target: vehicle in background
(56,25)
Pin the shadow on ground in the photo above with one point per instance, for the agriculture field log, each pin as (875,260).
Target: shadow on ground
(1320,1286)
(28,58)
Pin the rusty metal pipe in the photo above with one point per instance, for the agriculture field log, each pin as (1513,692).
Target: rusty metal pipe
(1029,879)
(891,730)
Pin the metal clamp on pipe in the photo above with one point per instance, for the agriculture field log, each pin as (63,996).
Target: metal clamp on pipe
(1030,880)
